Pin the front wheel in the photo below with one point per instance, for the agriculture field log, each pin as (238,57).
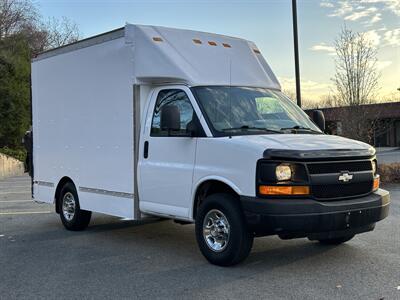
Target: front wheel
(72,216)
(221,231)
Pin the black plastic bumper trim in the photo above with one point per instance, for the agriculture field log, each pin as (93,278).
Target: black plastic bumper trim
(303,217)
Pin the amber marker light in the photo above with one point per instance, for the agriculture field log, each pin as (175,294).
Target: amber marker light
(376,183)
(284,190)
(157,39)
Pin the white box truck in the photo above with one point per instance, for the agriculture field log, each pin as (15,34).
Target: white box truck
(193,126)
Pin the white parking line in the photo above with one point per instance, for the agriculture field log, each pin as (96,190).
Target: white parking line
(27,182)
(15,201)
(7,193)
(20,181)
(10,186)
(24,212)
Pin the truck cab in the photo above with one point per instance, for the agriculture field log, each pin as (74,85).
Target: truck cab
(253,151)
(204,137)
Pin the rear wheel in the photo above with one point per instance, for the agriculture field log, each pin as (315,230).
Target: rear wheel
(221,231)
(72,217)
(336,241)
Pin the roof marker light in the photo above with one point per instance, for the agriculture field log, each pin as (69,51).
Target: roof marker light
(212,43)
(197,41)
(226,45)
(157,39)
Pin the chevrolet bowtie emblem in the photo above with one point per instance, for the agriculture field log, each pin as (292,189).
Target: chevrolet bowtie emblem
(345,177)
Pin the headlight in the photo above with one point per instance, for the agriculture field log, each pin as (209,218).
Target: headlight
(283,172)
(374,167)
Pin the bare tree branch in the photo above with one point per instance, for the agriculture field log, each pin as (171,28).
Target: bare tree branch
(20,17)
(60,32)
(15,16)
(356,77)
(356,82)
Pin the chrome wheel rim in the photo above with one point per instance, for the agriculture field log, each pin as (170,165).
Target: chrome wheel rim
(68,206)
(216,230)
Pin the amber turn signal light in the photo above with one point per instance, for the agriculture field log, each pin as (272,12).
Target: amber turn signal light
(376,183)
(284,190)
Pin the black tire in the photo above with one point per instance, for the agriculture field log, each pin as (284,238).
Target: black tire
(240,240)
(336,241)
(81,218)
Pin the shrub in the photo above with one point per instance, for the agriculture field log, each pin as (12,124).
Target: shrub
(389,172)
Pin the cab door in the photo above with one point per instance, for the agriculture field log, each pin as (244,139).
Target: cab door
(167,155)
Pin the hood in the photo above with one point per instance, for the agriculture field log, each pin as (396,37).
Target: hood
(310,143)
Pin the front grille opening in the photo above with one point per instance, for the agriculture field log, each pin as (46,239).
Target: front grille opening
(337,167)
(332,191)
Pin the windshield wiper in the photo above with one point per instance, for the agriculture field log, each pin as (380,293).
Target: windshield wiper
(246,127)
(297,127)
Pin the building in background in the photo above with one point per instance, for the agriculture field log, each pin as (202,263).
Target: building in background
(381,122)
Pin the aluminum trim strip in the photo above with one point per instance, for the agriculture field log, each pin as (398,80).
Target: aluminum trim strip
(105,192)
(43,183)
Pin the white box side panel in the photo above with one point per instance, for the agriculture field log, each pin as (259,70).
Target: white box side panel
(83,123)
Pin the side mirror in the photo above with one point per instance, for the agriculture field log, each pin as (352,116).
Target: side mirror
(170,118)
(319,119)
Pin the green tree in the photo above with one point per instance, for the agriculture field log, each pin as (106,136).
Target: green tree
(23,34)
(14,90)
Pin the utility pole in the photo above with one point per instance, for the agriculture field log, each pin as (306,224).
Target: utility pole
(296,52)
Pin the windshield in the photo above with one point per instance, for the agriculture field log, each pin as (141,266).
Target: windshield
(244,110)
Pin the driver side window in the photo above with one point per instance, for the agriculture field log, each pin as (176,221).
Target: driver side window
(174,98)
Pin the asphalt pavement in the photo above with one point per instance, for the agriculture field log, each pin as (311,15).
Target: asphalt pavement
(126,259)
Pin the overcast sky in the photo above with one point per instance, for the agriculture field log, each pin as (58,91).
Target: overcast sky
(267,23)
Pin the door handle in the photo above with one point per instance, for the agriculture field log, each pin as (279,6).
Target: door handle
(146,149)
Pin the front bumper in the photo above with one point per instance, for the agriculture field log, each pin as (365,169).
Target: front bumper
(291,218)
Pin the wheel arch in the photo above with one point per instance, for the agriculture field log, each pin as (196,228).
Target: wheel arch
(60,185)
(212,185)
